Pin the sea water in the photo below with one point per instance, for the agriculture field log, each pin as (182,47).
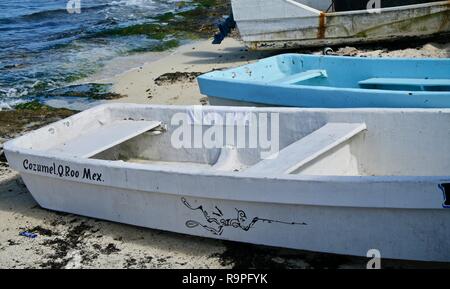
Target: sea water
(44,46)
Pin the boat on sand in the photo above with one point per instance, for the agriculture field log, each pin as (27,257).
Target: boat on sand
(287,24)
(332,82)
(336,181)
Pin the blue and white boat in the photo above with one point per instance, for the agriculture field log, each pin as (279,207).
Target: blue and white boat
(332,82)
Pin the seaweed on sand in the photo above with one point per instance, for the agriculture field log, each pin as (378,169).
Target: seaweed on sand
(29,116)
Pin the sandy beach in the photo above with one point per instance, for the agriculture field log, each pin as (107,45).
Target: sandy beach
(172,79)
(70,241)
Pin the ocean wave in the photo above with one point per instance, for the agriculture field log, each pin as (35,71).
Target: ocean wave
(48,14)
(12,93)
(55,12)
(139,3)
(8,104)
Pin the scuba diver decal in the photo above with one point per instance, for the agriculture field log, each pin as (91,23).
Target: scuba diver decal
(216,224)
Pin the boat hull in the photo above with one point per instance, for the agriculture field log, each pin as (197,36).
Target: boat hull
(396,233)
(404,217)
(256,95)
(263,83)
(316,28)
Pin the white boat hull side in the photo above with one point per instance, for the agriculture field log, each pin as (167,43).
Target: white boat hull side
(307,29)
(397,233)
(396,200)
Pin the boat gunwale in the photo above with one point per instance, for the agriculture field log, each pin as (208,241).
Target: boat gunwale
(304,6)
(10,146)
(360,196)
(162,168)
(386,192)
(332,88)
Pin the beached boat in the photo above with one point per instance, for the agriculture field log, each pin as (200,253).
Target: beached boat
(339,181)
(280,24)
(332,82)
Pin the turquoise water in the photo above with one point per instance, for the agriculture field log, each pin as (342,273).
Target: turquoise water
(43,46)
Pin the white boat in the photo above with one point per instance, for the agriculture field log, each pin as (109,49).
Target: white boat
(339,181)
(280,24)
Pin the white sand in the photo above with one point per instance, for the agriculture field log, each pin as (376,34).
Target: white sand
(78,242)
(138,84)
(202,56)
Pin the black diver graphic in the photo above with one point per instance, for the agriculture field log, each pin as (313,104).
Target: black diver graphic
(241,221)
(446,190)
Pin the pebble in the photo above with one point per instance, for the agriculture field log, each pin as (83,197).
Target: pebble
(278,260)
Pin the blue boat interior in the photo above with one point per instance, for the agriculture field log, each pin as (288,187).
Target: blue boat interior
(344,72)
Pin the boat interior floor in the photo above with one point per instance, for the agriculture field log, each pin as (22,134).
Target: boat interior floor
(330,139)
